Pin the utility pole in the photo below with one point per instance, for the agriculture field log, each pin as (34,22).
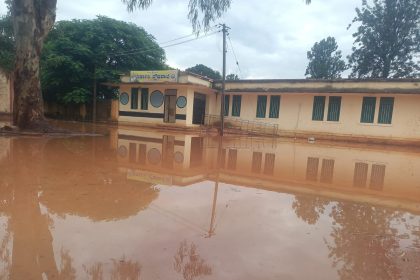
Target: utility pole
(222,96)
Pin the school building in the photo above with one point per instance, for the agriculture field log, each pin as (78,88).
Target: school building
(361,110)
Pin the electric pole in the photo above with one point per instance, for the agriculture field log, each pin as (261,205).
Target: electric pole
(222,96)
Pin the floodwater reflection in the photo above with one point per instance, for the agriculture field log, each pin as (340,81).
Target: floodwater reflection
(139,204)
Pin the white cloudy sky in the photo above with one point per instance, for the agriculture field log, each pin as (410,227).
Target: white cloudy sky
(270,37)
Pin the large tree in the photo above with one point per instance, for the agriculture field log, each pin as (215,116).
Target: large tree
(33,20)
(387,40)
(203,70)
(325,60)
(79,51)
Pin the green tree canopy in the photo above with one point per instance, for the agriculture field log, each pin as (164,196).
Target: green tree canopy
(387,40)
(325,60)
(205,71)
(7,49)
(77,50)
(232,77)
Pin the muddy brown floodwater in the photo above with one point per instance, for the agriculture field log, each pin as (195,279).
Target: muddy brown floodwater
(138,204)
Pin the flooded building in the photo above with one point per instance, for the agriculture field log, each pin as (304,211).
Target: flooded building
(358,110)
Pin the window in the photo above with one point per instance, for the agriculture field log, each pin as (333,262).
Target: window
(142,154)
(256,162)
(368,110)
(386,107)
(327,170)
(360,174)
(144,98)
(269,163)
(377,177)
(132,152)
(261,105)
(226,109)
(274,106)
(312,169)
(134,98)
(334,107)
(156,99)
(124,98)
(232,156)
(318,108)
(236,105)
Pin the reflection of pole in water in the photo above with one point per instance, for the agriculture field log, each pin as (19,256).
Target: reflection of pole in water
(216,187)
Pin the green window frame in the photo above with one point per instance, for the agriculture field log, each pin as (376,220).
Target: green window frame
(368,110)
(226,105)
(236,105)
(318,108)
(274,106)
(144,99)
(134,98)
(386,108)
(334,108)
(261,106)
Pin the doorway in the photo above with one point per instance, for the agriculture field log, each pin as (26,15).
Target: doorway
(199,108)
(170,106)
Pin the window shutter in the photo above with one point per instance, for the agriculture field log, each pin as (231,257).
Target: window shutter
(386,108)
(144,98)
(274,106)
(368,110)
(318,108)
(261,106)
(334,108)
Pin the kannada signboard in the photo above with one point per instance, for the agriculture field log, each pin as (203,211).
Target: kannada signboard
(154,76)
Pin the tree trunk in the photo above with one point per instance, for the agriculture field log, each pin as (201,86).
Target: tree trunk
(32,21)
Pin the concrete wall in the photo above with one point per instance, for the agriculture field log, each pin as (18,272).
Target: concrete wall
(5,106)
(296,115)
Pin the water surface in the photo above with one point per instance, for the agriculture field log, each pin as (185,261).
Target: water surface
(138,204)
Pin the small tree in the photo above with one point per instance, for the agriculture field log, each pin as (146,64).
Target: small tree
(203,70)
(325,60)
(232,77)
(387,39)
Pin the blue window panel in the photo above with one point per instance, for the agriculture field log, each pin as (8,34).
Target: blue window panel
(318,108)
(334,108)
(368,110)
(274,106)
(236,105)
(386,108)
(226,105)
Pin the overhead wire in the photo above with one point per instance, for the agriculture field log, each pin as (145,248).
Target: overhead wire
(141,50)
(234,54)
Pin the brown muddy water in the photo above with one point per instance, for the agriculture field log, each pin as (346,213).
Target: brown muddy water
(138,204)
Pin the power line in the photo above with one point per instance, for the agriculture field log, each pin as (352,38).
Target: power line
(167,46)
(162,43)
(234,54)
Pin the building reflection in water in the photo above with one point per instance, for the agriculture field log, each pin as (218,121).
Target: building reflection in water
(366,200)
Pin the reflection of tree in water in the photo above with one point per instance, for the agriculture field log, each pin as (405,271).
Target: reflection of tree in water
(365,246)
(43,170)
(309,208)
(121,270)
(188,262)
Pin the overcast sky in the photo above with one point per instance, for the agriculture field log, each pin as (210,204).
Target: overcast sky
(270,37)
